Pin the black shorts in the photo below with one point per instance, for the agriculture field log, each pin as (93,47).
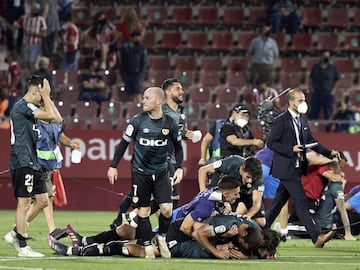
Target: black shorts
(171,171)
(27,182)
(144,186)
(247,200)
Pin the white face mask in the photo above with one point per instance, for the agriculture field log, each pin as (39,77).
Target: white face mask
(241,122)
(302,107)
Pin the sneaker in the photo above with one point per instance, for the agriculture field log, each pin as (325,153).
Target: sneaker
(59,248)
(59,233)
(163,247)
(11,239)
(76,238)
(29,253)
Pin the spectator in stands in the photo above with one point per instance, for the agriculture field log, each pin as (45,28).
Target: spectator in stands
(13,11)
(324,78)
(14,76)
(65,9)
(4,112)
(51,15)
(283,14)
(236,137)
(92,84)
(130,23)
(263,54)
(133,66)
(44,72)
(346,114)
(105,35)
(70,42)
(264,91)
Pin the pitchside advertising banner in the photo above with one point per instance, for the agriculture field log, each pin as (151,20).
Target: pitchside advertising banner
(88,178)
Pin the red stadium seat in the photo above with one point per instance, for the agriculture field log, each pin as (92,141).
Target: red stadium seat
(132,108)
(199,95)
(280,40)
(208,16)
(211,63)
(244,39)
(185,70)
(344,64)
(346,81)
(327,41)
(102,124)
(355,97)
(222,41)
(209,78)
(237,63)
(227,95)
(149,41)
(110,12)
(215,111)
(311,17)
(75,123)
(301,43)
(86,109)
(159,70)
(170,41)
(290,79)
(337,18)
(193,111)
(351,43)
(235,79)
(81,16)
(65,108)
(70,93)
(181,16)
(356,21)
(156,15)
(111,110)
(291,65)
(257,16)
(233,16)
(196,41)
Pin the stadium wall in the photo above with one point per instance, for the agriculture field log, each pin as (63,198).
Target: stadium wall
(86,184)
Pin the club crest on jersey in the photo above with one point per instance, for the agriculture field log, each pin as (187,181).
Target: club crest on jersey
(217,164)
(129,130)
(220,229)
(29,189)
(135,199)
(165,131)
(182,116)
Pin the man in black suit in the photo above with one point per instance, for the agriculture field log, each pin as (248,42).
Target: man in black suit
(289,133)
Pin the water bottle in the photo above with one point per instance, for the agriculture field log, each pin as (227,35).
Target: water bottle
(76,155)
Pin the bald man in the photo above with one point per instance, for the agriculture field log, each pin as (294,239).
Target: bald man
(151,132)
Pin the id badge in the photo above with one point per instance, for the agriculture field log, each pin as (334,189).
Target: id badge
(58,155)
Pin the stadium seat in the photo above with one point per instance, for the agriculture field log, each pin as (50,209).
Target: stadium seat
(75,123)
(110,110)
(346,81)
(227,95)
(102,124)
(301,43)
(86,109)
(193,111)
(132,108)
(199,94)
(351,43)
(221,41)
(149,41)
(156,15)
(244,39)
(181,16)
(235,63)
(65,108)
(159,70)
(171,41)
(236,79)
(207,17)
(196,41)
(110,12)
(215,111)
(337,18)
(280,40)
(327,41)
(290,79)
(257,17)
(311,17)
(291,64)
(69,92)
(356,21)
(355,97)
(121,125)
(344,64)
(185,70)
(233,17)
(211,63)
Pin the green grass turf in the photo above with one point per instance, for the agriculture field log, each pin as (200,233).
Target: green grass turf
(292,255)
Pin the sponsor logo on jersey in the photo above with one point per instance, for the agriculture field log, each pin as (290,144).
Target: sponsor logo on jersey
(165,131)
(129,130)
(152,142)
(220,229)
(146,130)
(217,164)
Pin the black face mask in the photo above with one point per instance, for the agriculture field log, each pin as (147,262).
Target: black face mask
(136,43)
(42,70)
(102,22)
(267,34)
(326,60)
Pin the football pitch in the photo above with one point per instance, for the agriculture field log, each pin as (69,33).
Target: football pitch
(292,255)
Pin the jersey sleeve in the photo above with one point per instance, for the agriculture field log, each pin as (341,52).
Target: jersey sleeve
(131,128)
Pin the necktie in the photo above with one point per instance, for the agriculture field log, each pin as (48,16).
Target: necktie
(298,123)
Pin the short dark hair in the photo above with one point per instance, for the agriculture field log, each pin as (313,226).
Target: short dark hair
(228,182)
(342,156)
(35,80)
(169,82)
(252,166)
(254,238)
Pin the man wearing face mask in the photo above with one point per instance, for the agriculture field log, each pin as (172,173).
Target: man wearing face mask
(289,134)
(263,55)
(324,78)
(236,137)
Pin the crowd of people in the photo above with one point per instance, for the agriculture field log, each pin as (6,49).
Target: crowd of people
(227,219)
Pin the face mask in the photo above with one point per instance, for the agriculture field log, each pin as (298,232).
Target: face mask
(136,43)
(302,107)
(267,34)
(326,60)
(241,122)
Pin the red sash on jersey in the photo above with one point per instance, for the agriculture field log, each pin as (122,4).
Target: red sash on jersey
(59,190)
